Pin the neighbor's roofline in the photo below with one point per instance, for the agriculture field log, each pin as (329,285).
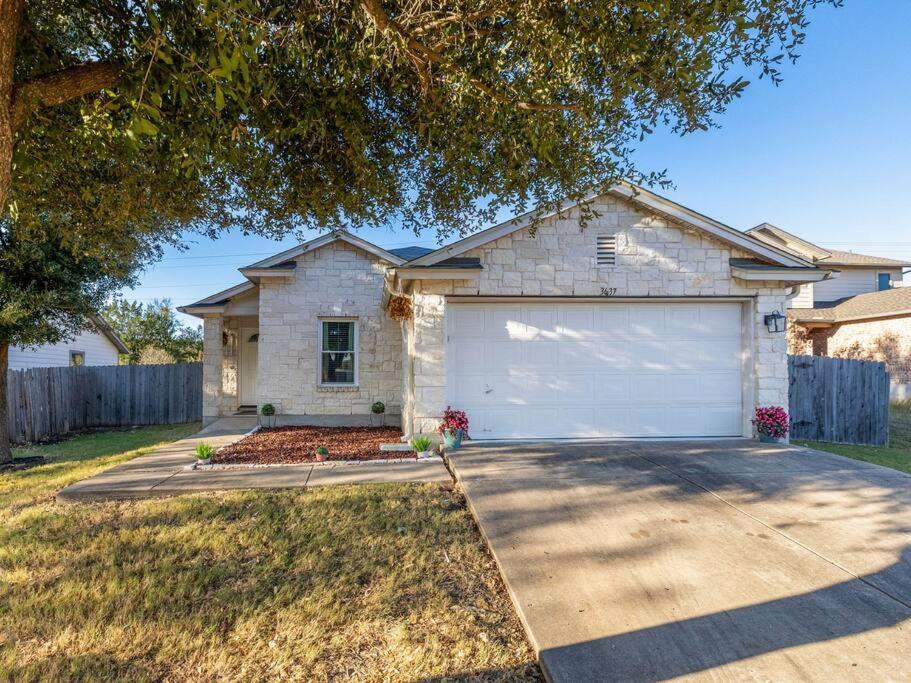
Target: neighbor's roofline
(105,328)
(213,301)
(810,246)
(323,240)
(838,320)
(634,193)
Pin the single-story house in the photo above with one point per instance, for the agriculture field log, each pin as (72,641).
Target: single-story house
(651,320)
(98,344)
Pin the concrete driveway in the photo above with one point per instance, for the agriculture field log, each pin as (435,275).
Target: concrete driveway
(720,560)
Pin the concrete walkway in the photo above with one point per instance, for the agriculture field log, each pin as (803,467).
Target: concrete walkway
(642,561)
(163,472)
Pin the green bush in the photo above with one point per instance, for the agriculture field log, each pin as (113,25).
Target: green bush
(204,451)
(378,408)
(322,450)
(421,443)
(268,410)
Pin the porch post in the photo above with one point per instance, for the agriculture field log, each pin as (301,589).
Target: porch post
(212,361)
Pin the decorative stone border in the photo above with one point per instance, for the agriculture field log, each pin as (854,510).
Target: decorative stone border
(331,463)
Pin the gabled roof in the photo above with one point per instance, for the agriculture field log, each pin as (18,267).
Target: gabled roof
(104,327)
(821,255)
(884,304)
(637,195)
(323,240)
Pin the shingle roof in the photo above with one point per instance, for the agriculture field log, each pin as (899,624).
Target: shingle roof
(849,258)
(409,253)
(873,305)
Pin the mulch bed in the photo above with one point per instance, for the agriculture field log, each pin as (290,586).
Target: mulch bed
(283,445)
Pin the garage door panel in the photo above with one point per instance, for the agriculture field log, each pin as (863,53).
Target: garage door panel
(596,370)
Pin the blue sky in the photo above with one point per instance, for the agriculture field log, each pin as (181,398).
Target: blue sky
(825,155)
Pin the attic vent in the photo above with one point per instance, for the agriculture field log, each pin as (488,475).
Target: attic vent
(607,250)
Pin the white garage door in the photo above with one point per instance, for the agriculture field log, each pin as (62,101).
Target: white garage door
(567,370)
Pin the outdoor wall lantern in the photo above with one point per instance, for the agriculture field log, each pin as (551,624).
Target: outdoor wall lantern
(775,322)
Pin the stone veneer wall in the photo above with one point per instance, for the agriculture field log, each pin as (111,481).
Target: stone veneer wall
(337,280)
(654,258)
(219,369)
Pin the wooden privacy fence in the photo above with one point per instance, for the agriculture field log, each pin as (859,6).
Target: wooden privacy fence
(45,403)
(838,400)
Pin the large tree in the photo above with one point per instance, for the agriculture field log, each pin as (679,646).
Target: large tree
(124,122)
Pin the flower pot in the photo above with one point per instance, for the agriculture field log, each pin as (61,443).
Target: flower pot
(452,438)
(424,454)
(321,458)
(768,438)
(204,461)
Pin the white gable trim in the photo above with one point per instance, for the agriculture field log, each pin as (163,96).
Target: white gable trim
(323,240)
(637,195)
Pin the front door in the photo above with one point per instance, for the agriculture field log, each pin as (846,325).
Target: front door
(249,354)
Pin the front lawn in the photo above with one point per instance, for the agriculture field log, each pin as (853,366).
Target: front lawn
(384,582)
(897,455)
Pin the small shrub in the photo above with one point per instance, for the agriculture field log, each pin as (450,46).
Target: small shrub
(378,408)
(421,443)
(204,451)
(268,410)
(454,419)
(322,450)
(772,421)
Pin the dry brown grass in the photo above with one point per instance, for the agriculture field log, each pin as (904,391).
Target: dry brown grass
(373,583)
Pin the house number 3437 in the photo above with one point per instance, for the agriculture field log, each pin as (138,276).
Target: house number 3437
(608,291)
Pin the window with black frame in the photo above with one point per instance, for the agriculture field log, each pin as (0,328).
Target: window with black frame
(338,352)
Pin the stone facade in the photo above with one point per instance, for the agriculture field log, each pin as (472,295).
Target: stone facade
(337,280)
(655,258)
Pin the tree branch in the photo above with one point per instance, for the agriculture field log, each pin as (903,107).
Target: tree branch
(413,46)
(61,86)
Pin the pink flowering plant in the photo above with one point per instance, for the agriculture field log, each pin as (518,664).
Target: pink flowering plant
(454,420)
(772,421)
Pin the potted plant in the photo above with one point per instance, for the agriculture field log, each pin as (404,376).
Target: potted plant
(421,446)
(771,423)
(378,408)
(454,427)
(204,453)
(267,415)
(322,454)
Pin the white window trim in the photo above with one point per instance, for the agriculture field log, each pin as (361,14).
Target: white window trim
(357,352)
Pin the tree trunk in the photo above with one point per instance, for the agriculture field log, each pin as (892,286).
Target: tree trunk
(10,16)
(6,453)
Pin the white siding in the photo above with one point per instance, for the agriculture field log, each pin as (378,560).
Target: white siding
(803,298)
(851,282)
(98,350)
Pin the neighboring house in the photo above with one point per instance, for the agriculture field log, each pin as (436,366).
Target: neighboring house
(97,345)
(862,311)
(874,326)
(853,273)
(650,321)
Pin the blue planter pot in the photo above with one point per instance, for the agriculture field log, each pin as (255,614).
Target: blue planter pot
(765,438)
(452,438)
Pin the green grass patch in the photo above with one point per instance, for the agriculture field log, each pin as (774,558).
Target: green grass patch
(897,455)
(382,582)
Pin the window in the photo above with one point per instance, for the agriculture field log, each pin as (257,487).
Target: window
(77,357)
(607,250)
(884,281)
(338,352)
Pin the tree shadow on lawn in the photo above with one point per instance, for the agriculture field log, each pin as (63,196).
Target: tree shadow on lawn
(254,584)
